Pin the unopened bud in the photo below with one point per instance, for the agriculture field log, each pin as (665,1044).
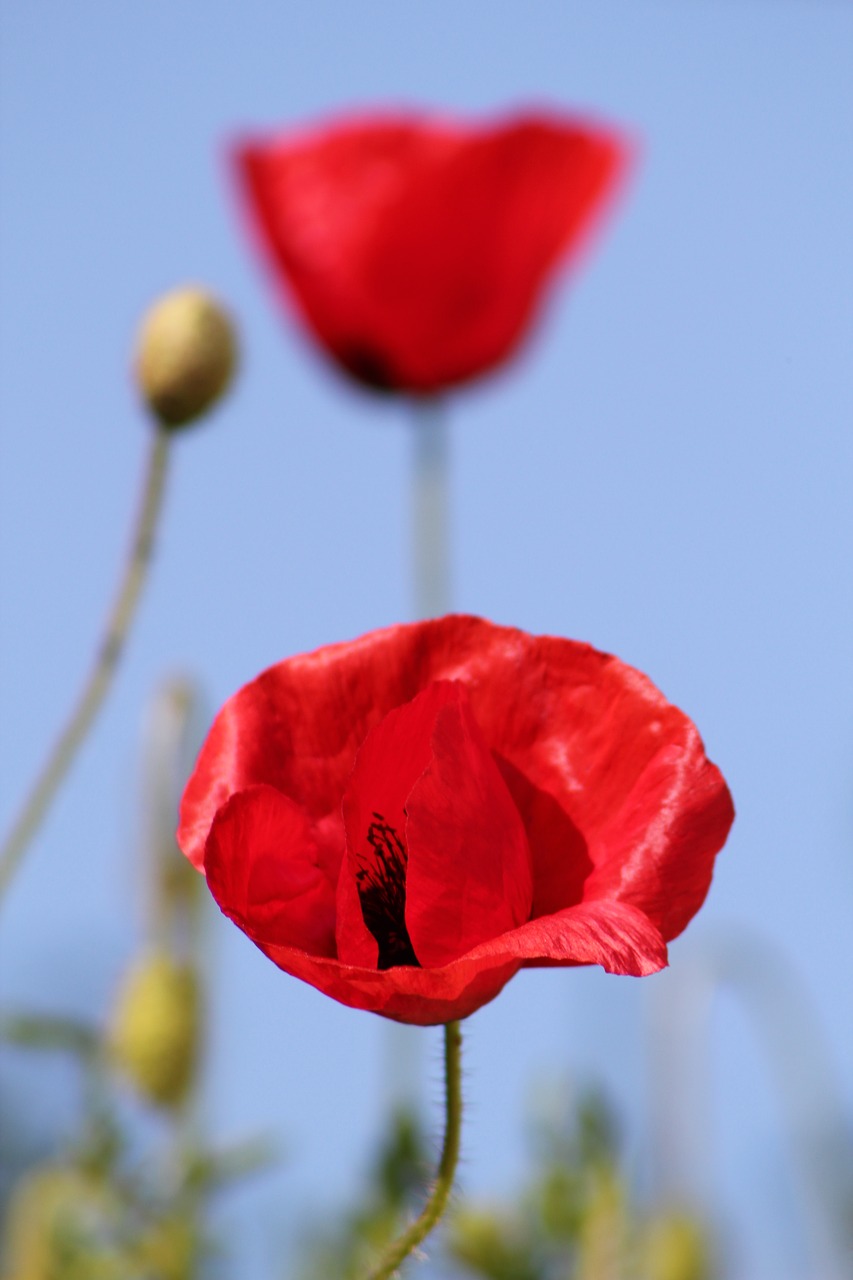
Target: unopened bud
(170,1249)
(185,357)
(603,1228)
(677,1248)
(156,1028)
(49,1207)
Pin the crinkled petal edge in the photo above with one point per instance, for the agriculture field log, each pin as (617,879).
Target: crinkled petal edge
(614,935)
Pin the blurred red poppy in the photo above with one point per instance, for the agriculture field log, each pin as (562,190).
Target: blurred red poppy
(406,820)
(417,249)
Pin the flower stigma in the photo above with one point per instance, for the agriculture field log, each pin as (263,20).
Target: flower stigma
(382,892)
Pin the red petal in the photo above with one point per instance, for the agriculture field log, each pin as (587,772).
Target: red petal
(586,745)
(584,730)
(562,860)
(587,732)
(423,997)
(417,250)
(607,933)
(269,872)
(469,876)
(657,850)
(618,937)
(389,763)
(297,727)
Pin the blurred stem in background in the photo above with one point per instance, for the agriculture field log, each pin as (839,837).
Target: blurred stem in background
(812,1106)
(157,1031)
(173,732)
(431,588)
(186,354)
(431,509)
(398,1172)
(129,1199)
(573,1218)
(109,653)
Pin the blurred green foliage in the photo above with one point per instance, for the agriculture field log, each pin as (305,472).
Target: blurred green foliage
(130,1196)
(574,1219)
(103,1210)
(395,1183)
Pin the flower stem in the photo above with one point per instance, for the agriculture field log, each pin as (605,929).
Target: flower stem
(109,653)
(400,1248)
(430,510)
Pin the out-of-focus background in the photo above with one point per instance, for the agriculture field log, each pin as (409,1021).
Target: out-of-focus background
(666,473)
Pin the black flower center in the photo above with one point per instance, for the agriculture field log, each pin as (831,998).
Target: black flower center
(369,367)
(382,892)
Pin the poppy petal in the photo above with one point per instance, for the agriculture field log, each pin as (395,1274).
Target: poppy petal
(581,729)
(562,860)
(622,812)
(405,993)
(617,937)
(267,871)
(612,934)
(657,849)
(417,250)
(469,874)
(390,761)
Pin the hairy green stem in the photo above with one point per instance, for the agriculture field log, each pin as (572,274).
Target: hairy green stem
(100,678)
(400,1248)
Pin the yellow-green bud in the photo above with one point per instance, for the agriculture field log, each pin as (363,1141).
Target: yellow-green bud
(50,1207)
(603,1228)
(185,357)
(676,1247)
(169,1250)
(156,1028)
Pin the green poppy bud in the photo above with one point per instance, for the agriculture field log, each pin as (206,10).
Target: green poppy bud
(676,1247)
(603,1228)
(186,355)
(50,1209)
(169,1250)
(156,1028)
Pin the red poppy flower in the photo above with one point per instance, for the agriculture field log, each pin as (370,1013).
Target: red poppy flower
(417,249)
(406,820)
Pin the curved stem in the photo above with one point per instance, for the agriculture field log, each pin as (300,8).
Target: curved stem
(107,659)
(400,1248)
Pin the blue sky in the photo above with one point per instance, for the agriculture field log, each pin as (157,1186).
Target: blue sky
(665,473)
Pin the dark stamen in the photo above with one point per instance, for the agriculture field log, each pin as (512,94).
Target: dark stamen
(382,891)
